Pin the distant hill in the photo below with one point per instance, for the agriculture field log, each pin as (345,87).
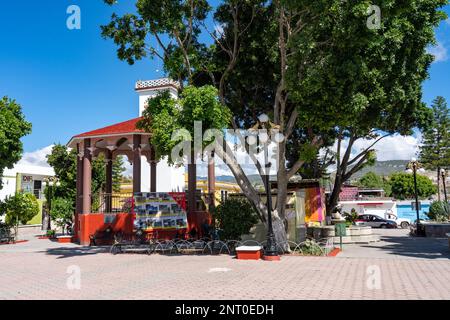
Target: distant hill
(383,168)
(254,178)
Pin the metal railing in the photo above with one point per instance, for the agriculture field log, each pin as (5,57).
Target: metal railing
(112,203)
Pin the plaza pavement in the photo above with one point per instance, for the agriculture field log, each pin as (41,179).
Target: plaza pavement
(403,267)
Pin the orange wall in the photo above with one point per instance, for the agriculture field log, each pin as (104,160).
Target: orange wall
(90,223)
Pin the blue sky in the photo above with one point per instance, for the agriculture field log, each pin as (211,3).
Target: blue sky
(70,81)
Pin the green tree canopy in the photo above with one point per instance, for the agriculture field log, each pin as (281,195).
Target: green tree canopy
(164,115)
(13,127)
(402,186)
(435,150)
(313,66)
(371,180)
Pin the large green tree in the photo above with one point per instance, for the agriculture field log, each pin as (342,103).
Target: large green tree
(313,66)
(13,127)
(435,150)
(371,180)
(402,186)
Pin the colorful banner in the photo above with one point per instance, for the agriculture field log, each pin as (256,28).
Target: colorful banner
(160,211)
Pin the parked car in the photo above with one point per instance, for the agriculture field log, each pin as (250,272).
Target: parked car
(403,223)
(371,220)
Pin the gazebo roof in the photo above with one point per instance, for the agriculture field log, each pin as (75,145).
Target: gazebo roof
(121,128)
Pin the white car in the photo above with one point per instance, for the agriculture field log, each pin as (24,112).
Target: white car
(401,222)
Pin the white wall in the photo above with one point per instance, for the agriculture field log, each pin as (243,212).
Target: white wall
(144,95)
(167,178)
(9,177)
(9,187)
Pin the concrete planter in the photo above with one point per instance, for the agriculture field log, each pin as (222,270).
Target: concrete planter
(64,239)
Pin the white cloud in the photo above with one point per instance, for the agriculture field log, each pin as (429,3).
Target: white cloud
(36,158)
(439,51)
(395,147)
(218,29)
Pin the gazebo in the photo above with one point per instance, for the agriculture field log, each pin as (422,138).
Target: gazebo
(124,139)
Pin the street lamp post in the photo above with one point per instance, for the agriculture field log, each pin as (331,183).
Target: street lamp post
(444,176)
(413,166)
(50,182)
(270,252)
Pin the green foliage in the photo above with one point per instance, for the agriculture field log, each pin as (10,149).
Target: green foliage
(371,181)
(351,217)
(51,233)
(117,172)
(338,75)
(13,127)
(235,217)
(439,211)
(164,115)
(62,211)
(64,162)
(435,150)
(402,186)
(310,248)
(19,208)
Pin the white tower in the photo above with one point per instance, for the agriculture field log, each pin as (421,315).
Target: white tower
(168,178)
(149,88)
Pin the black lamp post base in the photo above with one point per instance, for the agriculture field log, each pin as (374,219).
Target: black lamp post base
(271,258)
(271,249)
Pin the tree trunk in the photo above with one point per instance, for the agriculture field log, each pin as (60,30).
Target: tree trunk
(279,228)
(334,197)
(439,183)
(253,196)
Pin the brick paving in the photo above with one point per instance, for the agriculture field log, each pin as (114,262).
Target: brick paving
(38,270)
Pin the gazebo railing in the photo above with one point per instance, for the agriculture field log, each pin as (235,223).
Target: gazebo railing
(112,203)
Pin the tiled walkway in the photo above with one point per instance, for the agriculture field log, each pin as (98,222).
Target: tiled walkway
(40,269)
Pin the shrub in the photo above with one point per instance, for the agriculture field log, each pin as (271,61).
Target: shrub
(235,217)
(62,212)
(19,208)
(351,217)
(439,211)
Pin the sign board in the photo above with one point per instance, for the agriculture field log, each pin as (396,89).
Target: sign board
(160,210)
(340,230)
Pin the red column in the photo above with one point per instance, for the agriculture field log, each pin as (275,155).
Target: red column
(108,182)
(79,194)
(87,176)
(136,163)
(192,185)
(211,181)
(152,170)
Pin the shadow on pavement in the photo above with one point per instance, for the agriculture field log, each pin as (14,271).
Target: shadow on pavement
(417,247)
(67,252)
